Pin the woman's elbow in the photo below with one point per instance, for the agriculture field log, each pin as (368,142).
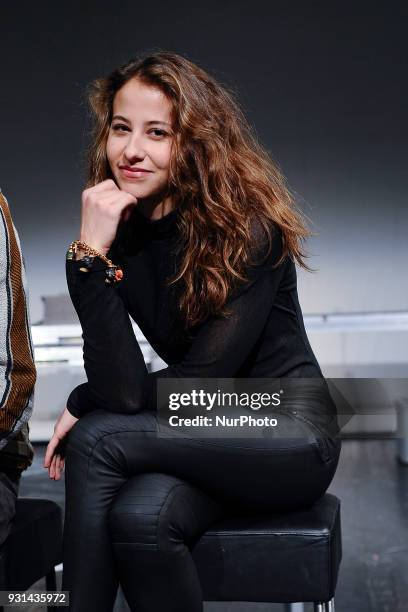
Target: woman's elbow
(113,400)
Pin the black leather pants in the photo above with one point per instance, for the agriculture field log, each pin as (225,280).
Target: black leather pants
(136,502)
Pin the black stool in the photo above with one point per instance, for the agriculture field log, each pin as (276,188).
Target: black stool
(33,547)
(280,558)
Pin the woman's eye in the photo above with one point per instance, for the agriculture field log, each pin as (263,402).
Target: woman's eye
(118,127)
(160,132)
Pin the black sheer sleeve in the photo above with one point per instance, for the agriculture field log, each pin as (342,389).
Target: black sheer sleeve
(118,379)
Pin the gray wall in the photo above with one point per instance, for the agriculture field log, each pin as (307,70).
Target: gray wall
(324,84)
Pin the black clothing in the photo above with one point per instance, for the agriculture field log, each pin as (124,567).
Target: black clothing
(264,337)
(135,501)
(9,485)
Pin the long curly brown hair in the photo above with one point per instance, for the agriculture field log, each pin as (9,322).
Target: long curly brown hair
(220,176)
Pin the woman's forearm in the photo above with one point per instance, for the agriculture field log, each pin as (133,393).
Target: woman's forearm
(113,360)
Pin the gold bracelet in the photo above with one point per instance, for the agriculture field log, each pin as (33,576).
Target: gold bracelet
(114,273)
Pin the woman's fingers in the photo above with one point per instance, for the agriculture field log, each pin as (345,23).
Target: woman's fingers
(49,453)
(55,447)
(54,455)
(60,466)
(102,209)
(116,201)
(56,467)
(106,185)
(106,196)
(51,469)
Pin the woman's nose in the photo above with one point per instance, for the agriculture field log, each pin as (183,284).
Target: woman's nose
(134,149)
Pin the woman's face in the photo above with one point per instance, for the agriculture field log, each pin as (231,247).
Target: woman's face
(140,137)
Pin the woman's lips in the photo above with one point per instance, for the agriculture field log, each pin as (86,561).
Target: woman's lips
(134,174)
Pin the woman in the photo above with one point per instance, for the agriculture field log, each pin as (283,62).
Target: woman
(187,206)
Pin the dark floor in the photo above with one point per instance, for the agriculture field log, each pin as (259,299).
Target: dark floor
(373,489)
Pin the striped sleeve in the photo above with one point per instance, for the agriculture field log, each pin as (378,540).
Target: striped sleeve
(17,369)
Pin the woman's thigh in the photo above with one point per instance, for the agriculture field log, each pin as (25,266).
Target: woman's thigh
(270,472)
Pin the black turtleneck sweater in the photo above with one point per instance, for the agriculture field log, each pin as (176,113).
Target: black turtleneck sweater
(264,337)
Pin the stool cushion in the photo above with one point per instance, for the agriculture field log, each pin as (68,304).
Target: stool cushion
(34,545)
(279,558)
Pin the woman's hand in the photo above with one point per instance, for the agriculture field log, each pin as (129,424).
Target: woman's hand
(54,455)
(102,208)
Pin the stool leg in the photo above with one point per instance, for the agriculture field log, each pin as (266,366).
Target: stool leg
(330,605)
(294,607)
(324,606)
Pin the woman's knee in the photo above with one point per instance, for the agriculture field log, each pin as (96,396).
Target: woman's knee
(100,426)
(155,511)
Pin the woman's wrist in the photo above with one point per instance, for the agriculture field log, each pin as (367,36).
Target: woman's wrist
(85,254)
(94,245)
(80,252)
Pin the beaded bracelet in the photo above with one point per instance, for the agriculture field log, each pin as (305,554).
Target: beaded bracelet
(114,273)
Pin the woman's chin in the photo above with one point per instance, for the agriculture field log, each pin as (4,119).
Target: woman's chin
(135,190)
(140,191)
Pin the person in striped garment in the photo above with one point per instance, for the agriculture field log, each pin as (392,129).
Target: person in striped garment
(17,370)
